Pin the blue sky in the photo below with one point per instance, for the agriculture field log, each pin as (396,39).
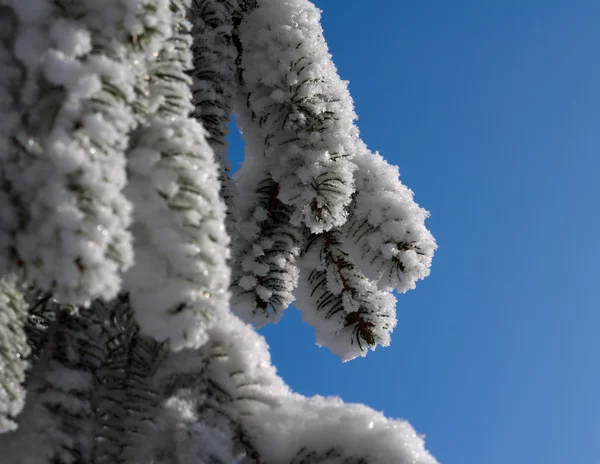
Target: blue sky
(492,111)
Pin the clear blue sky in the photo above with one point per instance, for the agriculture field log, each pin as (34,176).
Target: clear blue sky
(492,111)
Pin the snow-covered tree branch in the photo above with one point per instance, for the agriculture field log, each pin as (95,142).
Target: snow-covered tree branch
(134,267)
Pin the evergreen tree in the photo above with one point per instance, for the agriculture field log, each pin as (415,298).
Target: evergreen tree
(134,267)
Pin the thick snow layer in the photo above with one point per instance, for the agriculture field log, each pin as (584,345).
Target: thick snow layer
(299,109)
(10,76)
(14,350)
(282,423)
(349,313)
(69,169)
(386,234)
(180,281)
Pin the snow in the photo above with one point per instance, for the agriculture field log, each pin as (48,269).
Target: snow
(10,76)
(115,180)
(320,424)
(69,172)
(180,280)
(304,151)
(14,350)
(58,412)
(281,423)
(266,270)
(300,110)
(386,235)
(349,313)
(214,85)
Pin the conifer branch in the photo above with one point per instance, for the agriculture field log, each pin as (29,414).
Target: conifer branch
(214,69)
(126,401)
(11,73)
(43,309)
(179,216)
(300,110)
(113,144)
(68,166)
(59,414)
(385,233)
(266,270)
(346,309)
(14,350)
(331,456)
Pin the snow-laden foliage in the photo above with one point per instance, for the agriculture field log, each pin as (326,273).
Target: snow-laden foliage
(179,283)
(214,55)
(347,310)
(118,340)
(13,350)
(297,120)
(326,430)
(57,423)
(195,420)
(10,75)
(125,404)
(240,386)
(268,249)
(386,234)
(43,309)
(68,169)
(300,109)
